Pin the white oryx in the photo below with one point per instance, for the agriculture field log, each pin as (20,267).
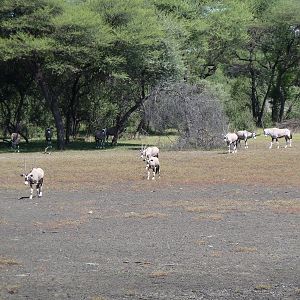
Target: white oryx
(148,152)
(276,133)
(152,163)
(231,139)
(245,135)
(35,177)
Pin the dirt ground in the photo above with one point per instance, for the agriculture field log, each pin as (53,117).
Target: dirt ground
(214,226)
(178,242)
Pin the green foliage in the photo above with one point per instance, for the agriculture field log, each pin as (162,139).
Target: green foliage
(100,59)
(237,107)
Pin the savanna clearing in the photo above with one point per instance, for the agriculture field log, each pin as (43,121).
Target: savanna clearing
(214,226)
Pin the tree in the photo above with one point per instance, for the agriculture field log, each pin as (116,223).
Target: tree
(196,111)
(144,51)
(61,40)
(271,54)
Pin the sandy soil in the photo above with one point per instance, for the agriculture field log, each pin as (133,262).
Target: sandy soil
(176,242)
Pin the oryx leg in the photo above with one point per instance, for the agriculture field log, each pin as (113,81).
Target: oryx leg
(153,173)
(271,143)
(234,147)
(158,172)
(31,191)
(277,143)
(39,188)
(148,172)
(288,141)
(246,144)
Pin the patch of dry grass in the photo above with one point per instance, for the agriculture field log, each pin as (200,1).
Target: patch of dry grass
(197,209)
(10,289)
(61,224)
(245,249)
(200,242)
(262,287)
(8,262)
(145,215)
(158,274)
(130,293)
(215,209)
(216,253)
(211,217)
(284,206)
(99,170)
(3,222)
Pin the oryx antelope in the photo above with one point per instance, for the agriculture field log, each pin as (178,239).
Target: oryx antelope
(15,141)
(48,137)
(35,177)
(152,164)
(114,132)
(231,139)
(148,152)
(245,135)
(276,133)
(100,137)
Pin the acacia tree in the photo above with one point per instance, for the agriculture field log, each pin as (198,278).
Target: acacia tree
(281,49)
(25,28)
(15,88)
(59,39)
(144,52)
(270,55)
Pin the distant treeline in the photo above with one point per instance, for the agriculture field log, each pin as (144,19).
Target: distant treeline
(101,63)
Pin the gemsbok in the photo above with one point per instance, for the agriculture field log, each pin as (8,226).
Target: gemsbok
(35,177)
(231,139)
(152,163)
(276,133)
(245,135)
(100,137)
(148,152)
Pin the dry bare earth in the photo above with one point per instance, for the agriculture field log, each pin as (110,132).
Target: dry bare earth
(215,226)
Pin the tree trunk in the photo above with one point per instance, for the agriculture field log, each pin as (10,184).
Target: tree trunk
(254,100)
(278,102)
(122,120)
(52,102)
(68,126)
(262,109)
(71,110)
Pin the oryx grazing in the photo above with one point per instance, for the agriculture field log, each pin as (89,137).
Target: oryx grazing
(152,164)
(245,135)
(147,152)
(15,141)
(35,177)
(231,139)
(276,133)
(100,137)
